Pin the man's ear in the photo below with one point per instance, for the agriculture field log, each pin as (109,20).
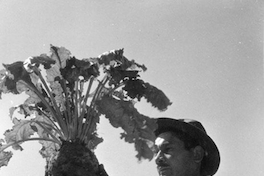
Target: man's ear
(198,154)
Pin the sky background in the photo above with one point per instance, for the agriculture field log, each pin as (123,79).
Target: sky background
(206,55)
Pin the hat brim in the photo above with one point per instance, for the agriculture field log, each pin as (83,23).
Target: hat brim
(212,157)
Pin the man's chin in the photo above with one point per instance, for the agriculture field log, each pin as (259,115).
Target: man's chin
(165,172)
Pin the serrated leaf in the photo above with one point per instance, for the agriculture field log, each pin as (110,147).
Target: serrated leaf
(60,55)
(5,157)
(20,131)
(93,141)
(49,151)
(143,149)
(118,75)
(119,59)
(18,72)
(138,129)
(135,88)
(12,111)
(36,61)
(3,75)
(76,68)
(156,97)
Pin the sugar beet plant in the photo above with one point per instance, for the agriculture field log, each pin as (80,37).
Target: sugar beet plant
(66,97)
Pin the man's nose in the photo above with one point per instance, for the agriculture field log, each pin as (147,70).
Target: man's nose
(159,159)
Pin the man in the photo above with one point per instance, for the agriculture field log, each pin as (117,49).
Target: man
(184,149)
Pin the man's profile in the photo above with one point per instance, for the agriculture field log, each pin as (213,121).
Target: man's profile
(184,149)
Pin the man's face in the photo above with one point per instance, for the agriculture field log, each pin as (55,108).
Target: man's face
(172,158)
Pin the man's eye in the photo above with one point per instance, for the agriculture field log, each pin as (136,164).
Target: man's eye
(168,149)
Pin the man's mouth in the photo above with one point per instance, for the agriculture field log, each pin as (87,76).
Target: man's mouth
(164,170)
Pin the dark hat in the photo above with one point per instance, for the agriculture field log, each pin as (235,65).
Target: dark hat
(194,129)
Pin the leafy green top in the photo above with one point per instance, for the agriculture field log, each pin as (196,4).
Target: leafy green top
(67,103)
